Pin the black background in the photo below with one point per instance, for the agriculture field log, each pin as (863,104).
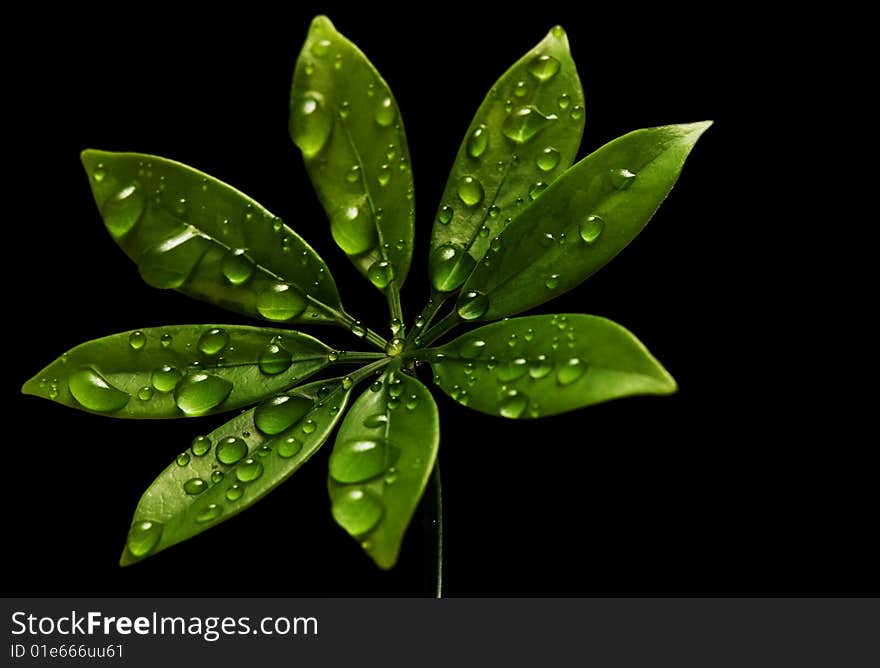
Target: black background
(742,483)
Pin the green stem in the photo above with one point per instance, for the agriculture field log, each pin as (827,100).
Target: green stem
(368,370)
(449,321)
(435,302)
(393,295)
(354,356)
(438,521)
(343,319)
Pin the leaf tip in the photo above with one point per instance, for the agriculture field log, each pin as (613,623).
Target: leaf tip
(36,387)
(321,23)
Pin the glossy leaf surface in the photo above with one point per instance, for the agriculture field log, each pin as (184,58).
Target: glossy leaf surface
(579,223)
(346,122)
(188,231)
(523,137)
(179,371)
(229,469)
(381,462)
(543,365)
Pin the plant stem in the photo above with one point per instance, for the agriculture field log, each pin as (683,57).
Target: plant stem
(355,356)
(448,321)
(438,591)
(393,295)
(433,529)
(345,320)
(435,302)
(365,371)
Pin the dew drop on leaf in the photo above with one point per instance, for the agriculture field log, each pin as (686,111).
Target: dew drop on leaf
(165,378)
(274,359)
(472,305)
(289,447)
(310,124)
(237,267)
(540,368)
(143,537)
(385,113)
(195,486)
(211,512)
(234,493)
(249,470)
(591,228)
(449,267)
(357,511)
(478,141)
(620,179)
(280,302)
(213,341)
(145,393)
(444,216)
(278,414)
(353,229)
(470,191)
(514,405)
(570,371)
(547,159)
(525,123)
(543,67)
(199,393)
(380,274)
(200,446)
(358,460)
(182,459)
(552,282)
(137,340)
(92,391)
(231,450)
(122,210)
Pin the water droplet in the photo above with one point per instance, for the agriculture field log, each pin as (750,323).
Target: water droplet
(394,347)
(591,229)
(237,267)
(380,274)
(337,61)
(353,229)
(143,537)
(570,371)
(472,349)
(536,190)
(100,173)
(514,405)
(94,392)
(211,512)
(620,179)
(376,421)
(470,191)
(353,175)
(357,460)
(321,47)
(525,123)
(231,450)
(145,393)
(552,282)
(234,493)
(137,340)
(309,426)
(213,341)
(563,101)
(289,447)
(200,446)
(520,89)
(357,511)
(277,414)
(444,215)
(577,111)
(166,340)
(375,386)
(165,378)
(386,113)
(472,305)
(358,329)
(216,476)
(249,470)
(274,359)
(558,31)
(544,67)
(384,175)
(548,159)
(478,141)
(344,108)
(529,335)
(547,240)
(199,393)
(310,124)
(449,267)
(195,486)
(412,402)
(395,325)
(511,370)
(280,302)
(123,210)
(540,367)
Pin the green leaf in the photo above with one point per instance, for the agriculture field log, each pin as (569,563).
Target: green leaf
(523,137)
(234,466)
(345,121)
(179,371)
(579,223)
(381,462)
(188,231)
(546,364)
